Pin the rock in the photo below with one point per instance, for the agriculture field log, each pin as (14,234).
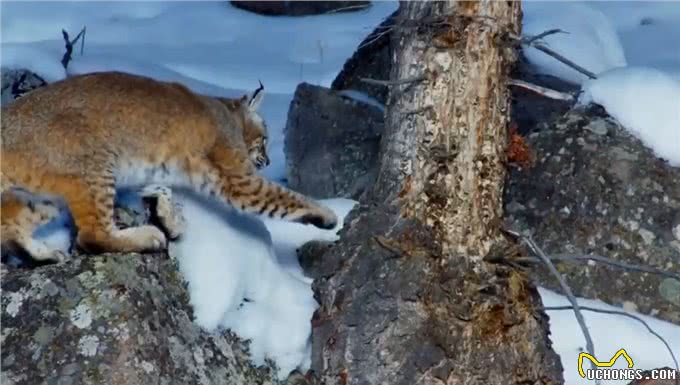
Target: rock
(112,319)
(17,82)
(309,256)
(331,143)
(299,8)
(371,60)
(528,108)
(595,189)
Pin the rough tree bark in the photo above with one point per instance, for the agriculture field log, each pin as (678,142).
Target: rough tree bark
(405,295)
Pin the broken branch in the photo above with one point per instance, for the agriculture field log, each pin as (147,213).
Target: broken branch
(543,91)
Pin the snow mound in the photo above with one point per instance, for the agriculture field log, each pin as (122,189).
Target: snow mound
(591,42)
(610,332)
(236,282)
(645,101)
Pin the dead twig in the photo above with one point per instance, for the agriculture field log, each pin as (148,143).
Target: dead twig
(543,91)
(388,83)
(623,313)
(544,48)
(69,46)
(348,8)
(388,245)
(590,347)
(531,39)
(611,262)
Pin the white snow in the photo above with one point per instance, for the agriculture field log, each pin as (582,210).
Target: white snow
(645,101)
(216,49)
(237,282)
(591,41)
(609,333)
(642,89)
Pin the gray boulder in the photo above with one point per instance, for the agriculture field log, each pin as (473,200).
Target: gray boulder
(596,190)
(112,319)
(331,143)
(299,8)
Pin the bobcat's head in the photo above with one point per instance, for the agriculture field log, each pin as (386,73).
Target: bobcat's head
(255,129)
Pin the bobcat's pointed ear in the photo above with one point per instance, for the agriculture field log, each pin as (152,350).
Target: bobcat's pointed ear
(255,98)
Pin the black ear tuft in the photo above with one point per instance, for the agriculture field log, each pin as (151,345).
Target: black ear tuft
(258,90)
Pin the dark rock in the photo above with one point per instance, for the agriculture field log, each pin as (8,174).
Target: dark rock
(17,82)
(309,256)
(371,60)
(331,143)
(528,108)
(595,189)
(112,319)
(299,8)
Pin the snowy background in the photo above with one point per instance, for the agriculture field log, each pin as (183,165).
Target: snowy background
(251,281)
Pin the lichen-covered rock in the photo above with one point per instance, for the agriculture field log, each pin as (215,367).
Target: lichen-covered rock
(331,143)
(112,319)
(300,8)
(595,189)
(17,82)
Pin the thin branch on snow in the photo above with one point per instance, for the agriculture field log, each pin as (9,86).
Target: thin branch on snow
(531,39)
(536,42)
(623,313)
(398,82)
(348,8)
(565,288)
(69,46)
(544,48)
(543,91)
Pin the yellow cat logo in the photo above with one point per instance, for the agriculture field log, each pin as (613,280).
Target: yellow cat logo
(582,355)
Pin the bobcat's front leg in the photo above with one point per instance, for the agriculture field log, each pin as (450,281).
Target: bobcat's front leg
(169,213)
(241,187)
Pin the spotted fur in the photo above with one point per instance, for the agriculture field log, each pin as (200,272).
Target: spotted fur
(81,138)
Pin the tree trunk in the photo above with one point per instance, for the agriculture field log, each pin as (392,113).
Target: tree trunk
(406,297)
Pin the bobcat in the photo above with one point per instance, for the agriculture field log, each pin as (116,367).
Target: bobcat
(76,140)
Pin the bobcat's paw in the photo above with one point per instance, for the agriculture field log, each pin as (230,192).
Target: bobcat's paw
(168,213)
(41,252)
(321,217)
(142,238)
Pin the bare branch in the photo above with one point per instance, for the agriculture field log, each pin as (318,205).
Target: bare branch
(565,288)
(543,91)
(623,313)
(376,37)
(397,82)
(348,8)
(611,262)
(535,41)
(544,48)
(531,39)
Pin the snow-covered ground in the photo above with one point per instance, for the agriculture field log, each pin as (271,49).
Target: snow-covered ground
(217,49)
(633,48)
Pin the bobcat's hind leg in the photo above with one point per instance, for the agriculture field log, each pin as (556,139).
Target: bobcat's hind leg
(91,205)
(20,218)
(168,212)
